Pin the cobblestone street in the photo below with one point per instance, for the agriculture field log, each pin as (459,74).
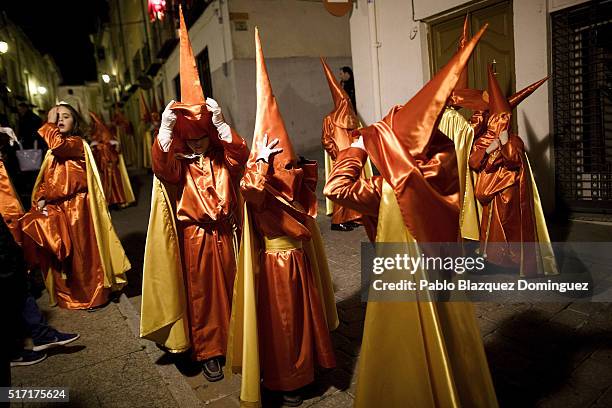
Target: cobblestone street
(544,355)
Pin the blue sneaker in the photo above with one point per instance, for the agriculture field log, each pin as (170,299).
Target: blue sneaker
(27,357)
(53,339)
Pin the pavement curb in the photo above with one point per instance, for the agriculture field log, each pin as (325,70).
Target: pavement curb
(181,391)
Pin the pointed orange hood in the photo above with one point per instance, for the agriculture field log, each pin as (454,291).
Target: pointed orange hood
(193,120)
(343,114)
(497,100)
(418,161)
(462,95)
(101,133)
(145,114)
(518,97)
(415,122)
(268,119)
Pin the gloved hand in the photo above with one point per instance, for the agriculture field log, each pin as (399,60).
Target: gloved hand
(503,137)
(359,143)
(11,134)
(164,136)
(223,128)
(265,150)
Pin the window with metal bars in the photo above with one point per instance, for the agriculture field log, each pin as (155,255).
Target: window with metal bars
(582,105)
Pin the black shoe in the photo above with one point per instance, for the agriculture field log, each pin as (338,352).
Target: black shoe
(27,357)
(341,227)
(292,399)
(353,224)
(54,339)
(211,369)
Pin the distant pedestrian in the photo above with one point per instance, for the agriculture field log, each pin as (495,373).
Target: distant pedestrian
(348,84)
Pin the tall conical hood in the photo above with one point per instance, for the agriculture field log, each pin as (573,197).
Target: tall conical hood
(101,133)
(145,114)
(343,115)
(268,119)
(462,83)
(338,93)
(518,97)
(191,89)
(497,100)
(193,120)
(415,122)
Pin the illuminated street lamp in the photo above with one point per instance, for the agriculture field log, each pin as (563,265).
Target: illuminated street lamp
(3,47)
(42,90)
(106,78)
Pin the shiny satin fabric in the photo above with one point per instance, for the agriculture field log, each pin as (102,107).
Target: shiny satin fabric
(125,182)
(10,205)
(425,184)
(413,354)
(206,220)
(453,125)
(87,270)
(508,196)
(107,161)
(246,335)
(163,317)
(335,138)
(292,288)
(209,267)
(146,148)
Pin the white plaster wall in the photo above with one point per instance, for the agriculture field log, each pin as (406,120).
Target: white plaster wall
(554,5)
(290,28)
(427,8)
(402,57)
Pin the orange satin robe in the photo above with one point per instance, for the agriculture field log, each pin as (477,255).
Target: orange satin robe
(292,329)
(334,139)
(10,206)
(505,192)
(67,233)
(207,210)
(107,160)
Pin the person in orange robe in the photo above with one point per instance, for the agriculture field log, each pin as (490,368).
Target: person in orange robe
(105,150)
(418,352)
(508,231)
(336,136)
(199,153)
(61,220)
(279,191)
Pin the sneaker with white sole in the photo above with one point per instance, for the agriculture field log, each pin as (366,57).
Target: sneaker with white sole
(27,357)
(54,339)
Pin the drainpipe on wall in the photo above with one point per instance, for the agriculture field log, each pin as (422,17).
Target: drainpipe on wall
(375,45)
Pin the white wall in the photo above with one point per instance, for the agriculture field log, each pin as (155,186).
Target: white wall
(402,58)
(290,28)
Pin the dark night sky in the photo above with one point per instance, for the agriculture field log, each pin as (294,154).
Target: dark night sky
(61,29)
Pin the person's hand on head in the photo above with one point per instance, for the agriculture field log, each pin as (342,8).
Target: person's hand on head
(218,120)
(52,116)
(168,118)
(266,150)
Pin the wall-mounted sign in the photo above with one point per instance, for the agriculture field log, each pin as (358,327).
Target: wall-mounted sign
(338,8)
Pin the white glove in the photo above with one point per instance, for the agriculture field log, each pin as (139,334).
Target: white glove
(11,134)
(94,143)
(114,142)
(168,119)
(223,128)
(266,150)
(503,137)
(359,143)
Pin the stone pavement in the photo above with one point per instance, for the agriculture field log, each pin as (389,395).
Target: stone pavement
(544,355)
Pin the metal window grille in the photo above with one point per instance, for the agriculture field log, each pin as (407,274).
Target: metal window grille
(582,105)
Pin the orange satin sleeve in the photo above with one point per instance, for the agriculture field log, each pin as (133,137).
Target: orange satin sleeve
(165,166)
(327,139)
(10,206)
(311,175)
(478,123)
(346,187)
(236,153)
(252,185)
(477,159)
(61,146)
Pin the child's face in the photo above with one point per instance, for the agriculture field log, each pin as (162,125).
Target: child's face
(65,121)
(198,146)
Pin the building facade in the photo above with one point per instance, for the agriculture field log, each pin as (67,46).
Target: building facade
(566,125)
